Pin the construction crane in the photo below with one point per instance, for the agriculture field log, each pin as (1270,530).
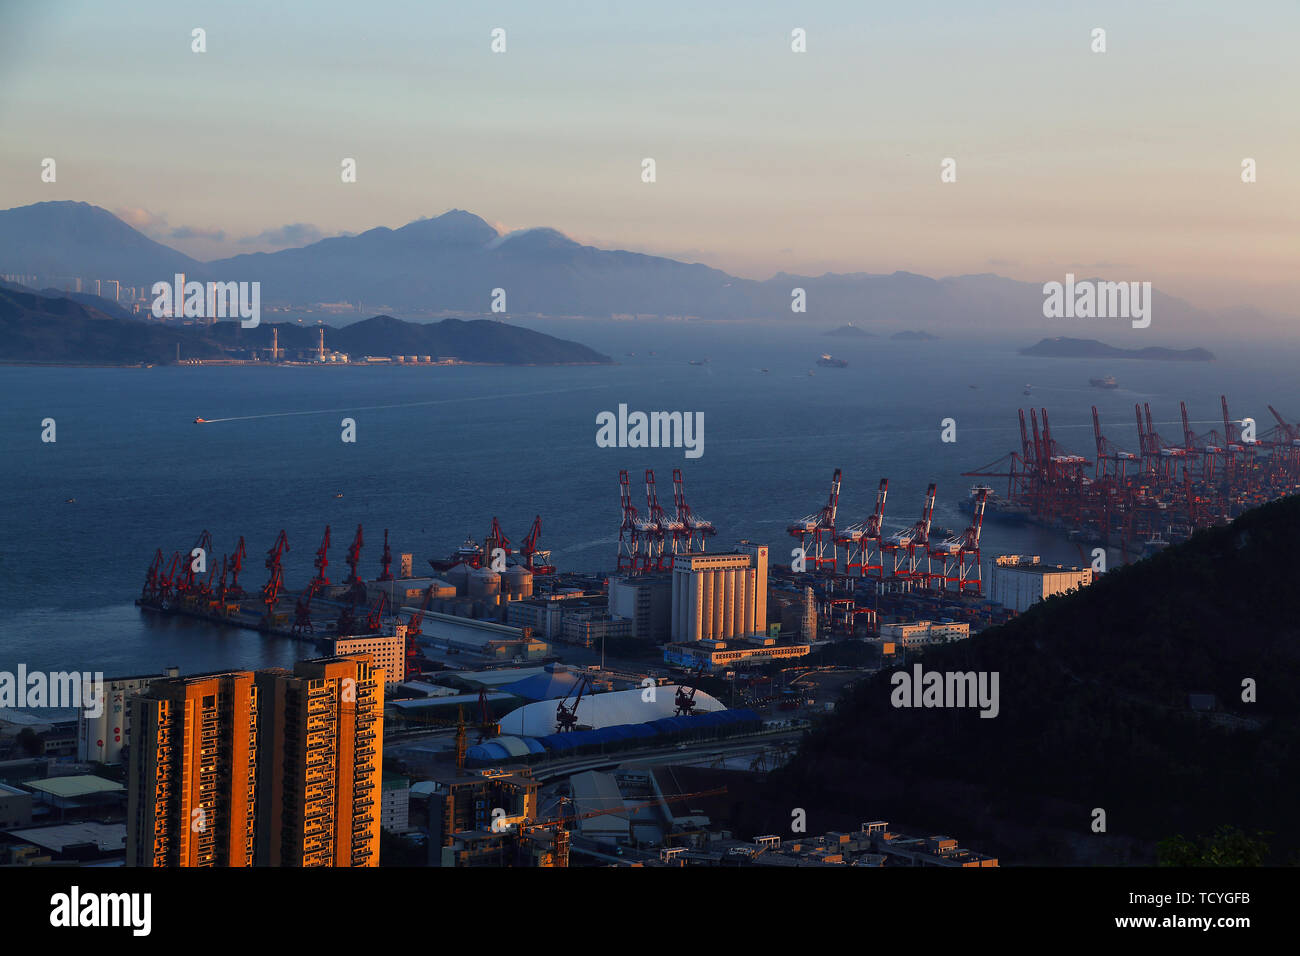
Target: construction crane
(235,592)
(496,540)
(566,716)
(387,573)
(322,562)
(354,582)
(684,700)
(275,581)
(815,530)
(536,560)
(487,727)
(413,631)
(151,592)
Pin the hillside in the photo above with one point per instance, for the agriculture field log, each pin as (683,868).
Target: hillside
(481,340)
(1093,713)
(39,329)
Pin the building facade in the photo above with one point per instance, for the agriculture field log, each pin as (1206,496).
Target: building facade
(1019,582)
(321,769)
(719,596)
(192,783)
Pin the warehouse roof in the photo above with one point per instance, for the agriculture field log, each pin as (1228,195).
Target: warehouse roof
(79,786)
(604,710)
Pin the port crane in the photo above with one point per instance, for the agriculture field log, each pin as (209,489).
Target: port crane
(566,715)
(354,583)
(697,528)
(536,560)
(275,581)
(684,701)
(815,530)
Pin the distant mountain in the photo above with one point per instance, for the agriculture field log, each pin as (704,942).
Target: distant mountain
(453,262)
(481,340)
(76,238)
(1091,348)
(99,303)
(39,329)
(913,336)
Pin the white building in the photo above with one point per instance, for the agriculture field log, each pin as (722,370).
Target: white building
(386,650)
(1019,582)
(921,633)
(719,596)
(100,739)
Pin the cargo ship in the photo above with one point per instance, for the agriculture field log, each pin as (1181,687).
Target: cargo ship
(829,362)
(1107,382)
(995,506)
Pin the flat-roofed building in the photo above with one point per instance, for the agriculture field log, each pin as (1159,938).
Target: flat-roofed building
(1019,582)
(321,766)
(387,651)
(922,633)
(719,596)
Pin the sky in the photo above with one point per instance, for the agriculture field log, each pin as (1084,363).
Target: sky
(1125,164)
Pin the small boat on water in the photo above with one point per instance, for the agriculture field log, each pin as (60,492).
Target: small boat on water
(1027,389)
(1106,382)
(828,362)
(199,421)
(695,362)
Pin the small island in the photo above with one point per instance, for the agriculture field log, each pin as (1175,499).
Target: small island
(850,331)
(1061,347)
(914,337)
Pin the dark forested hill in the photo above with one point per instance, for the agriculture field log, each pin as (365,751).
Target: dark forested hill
(1094,713)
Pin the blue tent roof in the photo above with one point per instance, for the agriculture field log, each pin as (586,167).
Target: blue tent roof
(548,686)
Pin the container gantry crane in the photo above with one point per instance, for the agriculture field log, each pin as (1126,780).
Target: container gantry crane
(816,530)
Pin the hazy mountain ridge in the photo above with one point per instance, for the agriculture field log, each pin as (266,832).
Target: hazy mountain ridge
(454,261)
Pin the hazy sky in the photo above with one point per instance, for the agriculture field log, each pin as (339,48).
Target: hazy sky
(1125,163)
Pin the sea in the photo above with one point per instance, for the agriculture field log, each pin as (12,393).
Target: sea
(440,451)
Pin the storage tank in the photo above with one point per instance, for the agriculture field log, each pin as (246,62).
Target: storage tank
(517,583)
(484,585)
(458,577)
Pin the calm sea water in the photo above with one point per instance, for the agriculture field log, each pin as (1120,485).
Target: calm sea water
(440,451)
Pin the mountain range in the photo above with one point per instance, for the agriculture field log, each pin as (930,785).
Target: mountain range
(454,261)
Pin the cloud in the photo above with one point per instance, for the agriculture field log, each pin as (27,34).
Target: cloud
(139,218)
(156,225)
(294,234)
(190,232)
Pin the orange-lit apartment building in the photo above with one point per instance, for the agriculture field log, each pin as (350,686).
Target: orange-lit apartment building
(321,764)
(192,783)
